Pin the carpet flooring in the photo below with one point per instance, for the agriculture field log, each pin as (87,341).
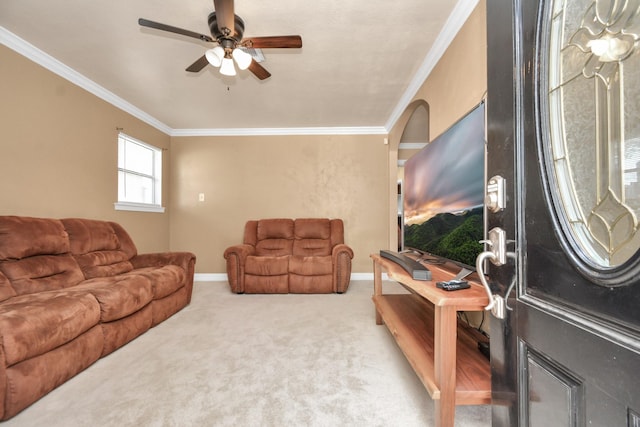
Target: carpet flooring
(253,360)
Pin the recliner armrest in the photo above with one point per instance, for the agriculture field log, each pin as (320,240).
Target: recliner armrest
(341,249)
(186,260)
(241,251)
(159,259)
(341,256)
(236,257)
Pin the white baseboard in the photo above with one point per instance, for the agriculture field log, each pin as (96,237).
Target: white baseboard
(210,277)
(222,277)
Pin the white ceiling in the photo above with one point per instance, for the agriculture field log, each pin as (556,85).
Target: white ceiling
(360,64)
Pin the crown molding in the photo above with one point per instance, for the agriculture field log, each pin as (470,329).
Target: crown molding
(458,17)
(47,61)
(371,130)
(456,20)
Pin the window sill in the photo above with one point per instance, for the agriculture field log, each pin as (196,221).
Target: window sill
(139,207)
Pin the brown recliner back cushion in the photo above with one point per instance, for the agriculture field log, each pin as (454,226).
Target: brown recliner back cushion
(312,237)
(6,290)
(97,247)
(274,237)
(22,237)
(34,255)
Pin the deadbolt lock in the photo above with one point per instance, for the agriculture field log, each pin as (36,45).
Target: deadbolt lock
(495,198)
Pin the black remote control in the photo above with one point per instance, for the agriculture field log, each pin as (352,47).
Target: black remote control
(453,285)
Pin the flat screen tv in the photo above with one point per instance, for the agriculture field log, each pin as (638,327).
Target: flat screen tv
(443,200)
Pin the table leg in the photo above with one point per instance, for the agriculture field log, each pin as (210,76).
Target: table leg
(445,338)
(377,287)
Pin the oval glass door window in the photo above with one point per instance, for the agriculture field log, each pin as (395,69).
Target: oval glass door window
(590,121)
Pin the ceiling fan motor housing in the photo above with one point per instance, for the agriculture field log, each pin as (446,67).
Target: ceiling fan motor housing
(236,35)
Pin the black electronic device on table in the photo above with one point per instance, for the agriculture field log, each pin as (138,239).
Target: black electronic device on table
(457,282)
(411,266)
(453,285)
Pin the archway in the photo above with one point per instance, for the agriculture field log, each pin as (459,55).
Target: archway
(413,131)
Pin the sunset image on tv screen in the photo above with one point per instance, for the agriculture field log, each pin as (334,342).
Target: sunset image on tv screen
(444,192)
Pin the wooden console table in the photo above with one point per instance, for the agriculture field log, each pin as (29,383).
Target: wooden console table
(425,326)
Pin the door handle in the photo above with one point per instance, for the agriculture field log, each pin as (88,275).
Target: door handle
(497,254)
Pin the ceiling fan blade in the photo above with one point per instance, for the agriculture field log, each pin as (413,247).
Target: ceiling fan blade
(158,26)
(259,71)
(273,42)
(198,65)
(225,15)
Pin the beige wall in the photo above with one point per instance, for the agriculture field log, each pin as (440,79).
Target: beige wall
(456,84)
(58,152)
(58,155)
(257,177)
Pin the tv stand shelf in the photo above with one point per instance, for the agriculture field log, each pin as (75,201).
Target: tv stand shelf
(424,324)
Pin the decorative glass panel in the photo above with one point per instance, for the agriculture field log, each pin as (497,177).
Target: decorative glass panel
(593,142)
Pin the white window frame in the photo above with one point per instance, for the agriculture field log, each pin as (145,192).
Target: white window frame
(126,204)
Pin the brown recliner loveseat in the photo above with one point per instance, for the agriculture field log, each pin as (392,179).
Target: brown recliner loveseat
(305,255)
(71,292)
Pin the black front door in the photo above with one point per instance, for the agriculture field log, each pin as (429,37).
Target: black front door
(563,125)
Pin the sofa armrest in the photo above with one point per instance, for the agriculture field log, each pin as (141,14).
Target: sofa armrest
(341,255)
(236,257)
(186,260)
(341,249)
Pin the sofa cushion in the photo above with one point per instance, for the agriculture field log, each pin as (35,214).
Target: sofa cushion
(267,265)
(26,322)
(311,247)
(266,284)
(278,228)
(97,248)
(312,228)
(310,284)
(6,290)
(103,263)
(88,235)
(42,273)
(311,265)
(118,296)
(30,379)
(22,237)
(164,280)
(312,237)
(274,247)
(311,274)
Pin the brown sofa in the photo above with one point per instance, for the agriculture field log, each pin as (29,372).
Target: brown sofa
(305,255)
(72,291)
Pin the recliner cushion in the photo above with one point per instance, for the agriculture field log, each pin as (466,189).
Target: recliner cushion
(164,280)
(311,247)
(312,228)
(267,265)
(279,228)
(312,237)
(22,237)
(6,290)
(274,247)
(118,296)
(35,324)
(42,273)
(311,265)
(96,247)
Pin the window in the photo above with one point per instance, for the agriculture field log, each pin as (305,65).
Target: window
(139,176)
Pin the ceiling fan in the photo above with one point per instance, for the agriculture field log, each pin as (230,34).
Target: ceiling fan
(227,30)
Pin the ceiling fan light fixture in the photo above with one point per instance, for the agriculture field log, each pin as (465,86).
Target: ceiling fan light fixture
(243,59)
(215,56)
(227,67)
